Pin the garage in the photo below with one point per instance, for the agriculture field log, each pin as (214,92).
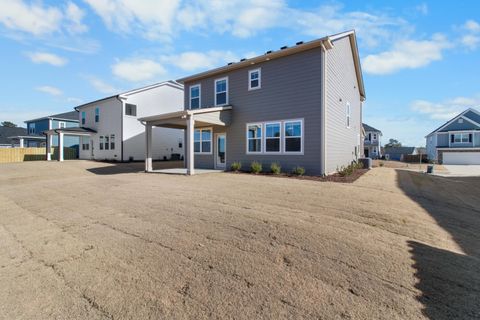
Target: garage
(461,157)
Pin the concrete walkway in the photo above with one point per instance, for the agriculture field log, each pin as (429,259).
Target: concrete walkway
(461,171)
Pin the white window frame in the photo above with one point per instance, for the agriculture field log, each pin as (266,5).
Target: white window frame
(60,123)
(261,138)
(226,91)
(112,142)
(348,115)
(281,140)
(131,115)
(31,128)
(302,137)
(199,95)
(101,141)
(259,70)
(201,141)
(461,134)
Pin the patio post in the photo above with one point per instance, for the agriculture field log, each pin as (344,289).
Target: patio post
(190,143)
(60,146)
(49,147)
(148,141)
(21,142)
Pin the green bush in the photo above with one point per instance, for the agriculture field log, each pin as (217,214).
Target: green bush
(236,166)
(298,171)
(350,169)
(256,167)
(275,168)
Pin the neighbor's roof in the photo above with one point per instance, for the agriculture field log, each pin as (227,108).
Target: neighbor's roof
(171,83)
(285,51)
(7,132)
(366,127)
(398,150)
(471,115)
(69,116)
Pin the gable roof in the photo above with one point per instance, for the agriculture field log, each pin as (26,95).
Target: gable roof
(366,127)
(470,115)
(398,150)
(70,116)
(171,83)
(285,51)
(6,132)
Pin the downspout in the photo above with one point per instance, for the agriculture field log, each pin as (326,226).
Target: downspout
(323,112)
(121,126)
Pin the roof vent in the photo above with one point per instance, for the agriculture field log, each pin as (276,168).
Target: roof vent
(299,43)
(242,59)
(284,47)
(268,52)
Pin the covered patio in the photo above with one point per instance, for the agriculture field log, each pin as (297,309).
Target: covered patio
(187,120)
(60,133)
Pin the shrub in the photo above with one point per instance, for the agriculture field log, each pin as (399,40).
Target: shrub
(298,171)
(236,166)
(275,168)
(256,167)
(350,169)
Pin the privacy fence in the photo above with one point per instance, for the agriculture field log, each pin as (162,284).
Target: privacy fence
(33,154)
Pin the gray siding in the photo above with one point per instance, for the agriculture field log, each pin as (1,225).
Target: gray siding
(290,89)
(442,140)
(342,87)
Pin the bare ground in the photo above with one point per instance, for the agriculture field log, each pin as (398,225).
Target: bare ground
(86,240)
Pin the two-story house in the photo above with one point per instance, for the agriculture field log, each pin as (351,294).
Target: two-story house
(372,143)
(110,130)
(457,141)
(297,106)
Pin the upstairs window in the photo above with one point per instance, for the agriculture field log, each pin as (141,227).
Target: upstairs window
(31,128)
(461,138)
(221,92)
(347,112)
(254,79)
(195,96)
(84,117)
(374,136)
(130,110)
(97,114)
(254,138)
(62,124)
(202,141)
(293,136)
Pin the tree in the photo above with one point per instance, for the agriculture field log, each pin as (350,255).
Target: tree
(8,124)
(393,143)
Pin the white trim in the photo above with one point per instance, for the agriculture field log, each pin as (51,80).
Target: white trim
(226,91)
(280,144)
(201,141)
(259,70)
(60,124)
(348,115)
(302,137)
(224,166)
(199,95)
(261,138)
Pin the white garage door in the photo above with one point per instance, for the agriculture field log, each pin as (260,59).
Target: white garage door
(461,158)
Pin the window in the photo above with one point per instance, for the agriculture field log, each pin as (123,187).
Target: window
(460,120)
(293,136)
(254,138)
(97,114)
(85,144)
(107,142)
(202,141)
(31,128)
(461,138)
(254,79)
(130,110)
(374,136)
(112,142)
(84,117)
(221,91)
(62,124)
(347,111)
(195,96)
(101,143)
(272,137)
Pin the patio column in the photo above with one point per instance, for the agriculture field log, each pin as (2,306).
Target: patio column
(148,155)
(60,146)
(49,147)
(21,142)
(190,143)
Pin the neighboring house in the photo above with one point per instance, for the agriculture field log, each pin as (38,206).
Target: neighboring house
(110,130)
(398,153)
(7,135)
(372,142)
(457,141)
(298,106)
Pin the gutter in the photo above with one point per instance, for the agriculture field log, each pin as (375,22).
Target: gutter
(325,45)
(121,125)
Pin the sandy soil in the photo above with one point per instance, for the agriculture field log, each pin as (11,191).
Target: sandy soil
(85,240)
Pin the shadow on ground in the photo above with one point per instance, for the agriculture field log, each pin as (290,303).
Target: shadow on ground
(449,281)
(113,168)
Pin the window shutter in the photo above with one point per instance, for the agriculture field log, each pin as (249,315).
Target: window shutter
(452,138)
(470,136)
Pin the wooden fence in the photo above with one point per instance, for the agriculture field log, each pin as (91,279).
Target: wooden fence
(415,158)
(33,154)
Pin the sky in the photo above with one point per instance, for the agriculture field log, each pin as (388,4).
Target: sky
(420,59)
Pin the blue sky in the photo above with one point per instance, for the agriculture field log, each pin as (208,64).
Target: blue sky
(421,59)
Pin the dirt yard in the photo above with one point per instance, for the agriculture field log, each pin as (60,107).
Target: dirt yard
(85,240)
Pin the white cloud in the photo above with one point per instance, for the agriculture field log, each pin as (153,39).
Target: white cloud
(192,60)
(50,90)
(45,57)
(470,34)
(75,16)
(445,110)
(136,70)
(470,41)
(422,8)
(102,86)
(406,54)
(472,25)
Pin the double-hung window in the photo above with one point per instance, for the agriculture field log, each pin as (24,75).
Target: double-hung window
(85,143)
(31,128)
(348,114)
(195,96)
(97,114)
(130,110)
(293,135)
(254,79)
(84,117)
(461,138)
(254,138)
(107,142)
(221,91)
(62,124)
(112,142)
(101,143)
(202,141)
(272,137)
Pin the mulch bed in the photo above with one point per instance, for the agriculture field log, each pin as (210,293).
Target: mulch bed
(331,178)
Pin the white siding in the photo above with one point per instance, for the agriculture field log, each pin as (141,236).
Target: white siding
(342,87)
